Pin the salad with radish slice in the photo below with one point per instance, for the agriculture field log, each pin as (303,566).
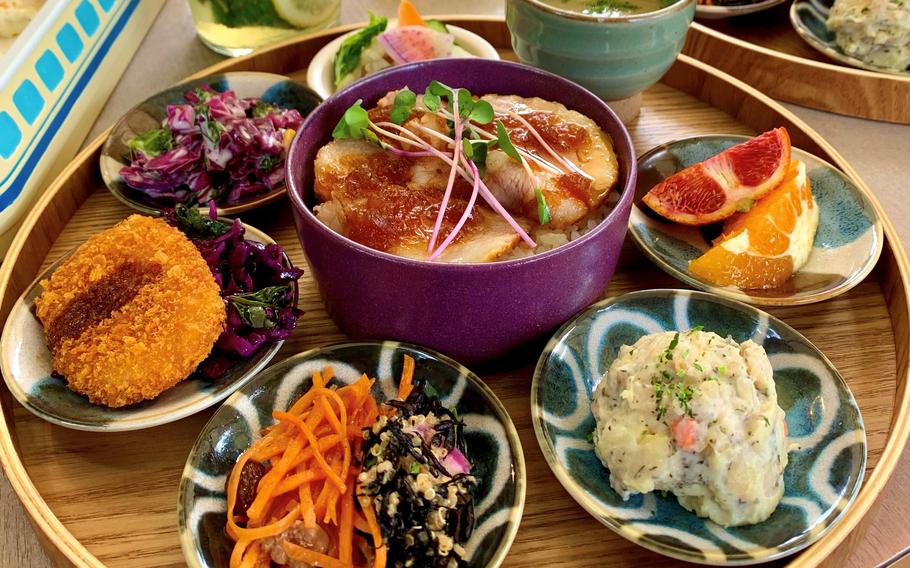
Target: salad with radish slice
(377,46)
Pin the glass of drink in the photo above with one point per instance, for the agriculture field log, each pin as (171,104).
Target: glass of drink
(237,27)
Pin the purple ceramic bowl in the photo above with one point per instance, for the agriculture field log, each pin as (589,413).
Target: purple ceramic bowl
(472,312)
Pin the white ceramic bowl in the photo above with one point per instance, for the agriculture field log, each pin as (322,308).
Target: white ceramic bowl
(320,75)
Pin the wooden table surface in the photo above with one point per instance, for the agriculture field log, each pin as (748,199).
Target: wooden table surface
(878,151)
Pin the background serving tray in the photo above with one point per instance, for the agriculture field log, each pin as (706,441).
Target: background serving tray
(765,51)
(110,499)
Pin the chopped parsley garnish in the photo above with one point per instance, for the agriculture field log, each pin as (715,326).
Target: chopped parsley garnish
(697,328)
(698,367)
(722,369)
(768,422)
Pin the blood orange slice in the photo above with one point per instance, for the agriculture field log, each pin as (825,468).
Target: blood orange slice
(764,247)
(733,180)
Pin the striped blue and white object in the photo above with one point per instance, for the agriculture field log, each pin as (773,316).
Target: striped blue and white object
(54,80)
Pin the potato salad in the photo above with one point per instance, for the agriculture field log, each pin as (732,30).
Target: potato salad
(696,415)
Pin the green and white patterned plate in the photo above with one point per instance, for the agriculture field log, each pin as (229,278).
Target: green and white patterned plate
(822,478)
(492,442)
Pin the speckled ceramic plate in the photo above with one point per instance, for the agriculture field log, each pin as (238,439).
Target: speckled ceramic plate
(493,444)
(847,244)
(25,360)
(715,12)
(821,480)
(809,19)
(271,88)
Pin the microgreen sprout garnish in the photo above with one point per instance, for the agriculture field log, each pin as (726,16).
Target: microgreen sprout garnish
(403,105)
(696,328)
(543,210)
(502,138)
(467,146)
(353,123)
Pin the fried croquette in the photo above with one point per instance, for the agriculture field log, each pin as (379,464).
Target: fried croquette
(131,313)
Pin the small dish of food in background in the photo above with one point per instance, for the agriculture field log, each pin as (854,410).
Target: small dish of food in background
(148,322)
(718,9)
(615,48)
(366,454)
(223,138)
(867,34)
(419,230)
(383,43)
(753,219)
(749,429)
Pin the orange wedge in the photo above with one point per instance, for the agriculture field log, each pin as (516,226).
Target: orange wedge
(731,181)
(763,247)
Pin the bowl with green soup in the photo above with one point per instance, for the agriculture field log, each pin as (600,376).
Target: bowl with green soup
(615,48)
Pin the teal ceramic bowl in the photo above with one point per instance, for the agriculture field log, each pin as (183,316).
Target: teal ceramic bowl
(615,57)
(826,465)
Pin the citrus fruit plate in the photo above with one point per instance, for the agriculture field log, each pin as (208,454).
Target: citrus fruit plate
(765,51)
(838,255)
(102,499)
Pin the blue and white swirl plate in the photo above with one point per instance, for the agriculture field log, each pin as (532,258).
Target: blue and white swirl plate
(847,244)
(823,476)
(27,365)
(492,442)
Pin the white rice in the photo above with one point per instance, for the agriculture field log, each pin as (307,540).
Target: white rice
(548,239)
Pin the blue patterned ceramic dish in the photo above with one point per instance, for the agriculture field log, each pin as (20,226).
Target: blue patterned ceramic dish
(809,19)
(271,88)
(493,444)
(847,244)
(822,478)
(25,360)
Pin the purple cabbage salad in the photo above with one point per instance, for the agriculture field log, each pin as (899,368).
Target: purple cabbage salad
(216,147)
(257,283)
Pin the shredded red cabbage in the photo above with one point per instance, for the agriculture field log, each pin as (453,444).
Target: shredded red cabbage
(257,283)
(218,147)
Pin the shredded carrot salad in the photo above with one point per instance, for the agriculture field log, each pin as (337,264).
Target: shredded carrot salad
(312,454)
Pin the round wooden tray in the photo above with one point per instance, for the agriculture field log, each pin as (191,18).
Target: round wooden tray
(110,498)
(765,51)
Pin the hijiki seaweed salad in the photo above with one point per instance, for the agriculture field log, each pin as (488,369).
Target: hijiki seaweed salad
(420,481)
(213,147)
(341,482)
(258,285)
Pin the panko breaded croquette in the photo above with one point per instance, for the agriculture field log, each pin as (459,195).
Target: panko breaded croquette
(131,313)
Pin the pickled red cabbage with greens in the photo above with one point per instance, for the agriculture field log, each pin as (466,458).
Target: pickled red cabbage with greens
(257,283)
(214,147)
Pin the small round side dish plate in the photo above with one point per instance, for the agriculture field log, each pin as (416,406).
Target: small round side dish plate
(719,12)
(26,363)
(822,478)
(847,243)
(809,18)
(321,72)
(492,441)
(271,88)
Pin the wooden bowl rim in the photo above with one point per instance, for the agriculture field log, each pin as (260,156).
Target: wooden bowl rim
(51,530)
